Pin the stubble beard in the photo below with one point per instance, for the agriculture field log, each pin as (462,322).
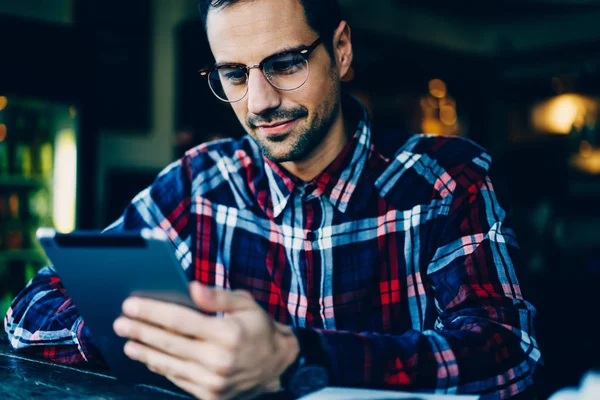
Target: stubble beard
(303,140)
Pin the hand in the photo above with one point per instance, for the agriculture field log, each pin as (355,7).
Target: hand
(241,355)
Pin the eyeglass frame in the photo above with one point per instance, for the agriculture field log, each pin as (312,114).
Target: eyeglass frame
(304,51)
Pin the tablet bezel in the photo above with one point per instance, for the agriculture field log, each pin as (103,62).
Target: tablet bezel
(98,297)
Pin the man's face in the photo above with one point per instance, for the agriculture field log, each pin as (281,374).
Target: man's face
(287,125)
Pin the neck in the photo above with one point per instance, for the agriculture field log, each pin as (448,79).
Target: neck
(323,155)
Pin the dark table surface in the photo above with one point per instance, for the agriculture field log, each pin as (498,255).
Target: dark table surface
(24,377)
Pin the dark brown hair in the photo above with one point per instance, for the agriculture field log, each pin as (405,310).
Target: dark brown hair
(323,16)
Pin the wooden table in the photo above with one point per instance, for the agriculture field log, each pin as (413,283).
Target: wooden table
(25,377)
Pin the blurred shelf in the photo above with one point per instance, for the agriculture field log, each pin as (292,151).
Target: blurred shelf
(31,225)
(30,255)
(16,182)
(21,183)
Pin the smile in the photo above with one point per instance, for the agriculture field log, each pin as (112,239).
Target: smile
(278,128)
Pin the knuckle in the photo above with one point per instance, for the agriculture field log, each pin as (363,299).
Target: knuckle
(236,334)
(134,331)
(218,385)
(225,364)
(173,319)
(167,346)
(244,294)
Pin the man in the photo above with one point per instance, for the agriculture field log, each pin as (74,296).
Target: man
(330,262)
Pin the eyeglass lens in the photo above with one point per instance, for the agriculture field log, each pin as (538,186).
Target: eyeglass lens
(286,72)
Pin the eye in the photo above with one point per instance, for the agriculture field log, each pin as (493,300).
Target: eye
(285,65)
(232,76)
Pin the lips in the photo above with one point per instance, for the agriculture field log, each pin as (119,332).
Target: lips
(277,129)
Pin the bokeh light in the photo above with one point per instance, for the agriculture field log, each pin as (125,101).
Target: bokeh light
(2,132)
(437,88)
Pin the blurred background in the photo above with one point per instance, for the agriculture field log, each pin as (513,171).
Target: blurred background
(97,96)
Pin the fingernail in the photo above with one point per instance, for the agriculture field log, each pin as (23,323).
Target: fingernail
(121,326)
(131,307)
(131,350)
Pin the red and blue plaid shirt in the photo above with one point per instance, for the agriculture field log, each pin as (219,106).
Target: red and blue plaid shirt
(405,265)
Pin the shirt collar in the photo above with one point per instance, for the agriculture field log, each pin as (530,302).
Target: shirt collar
(338,181)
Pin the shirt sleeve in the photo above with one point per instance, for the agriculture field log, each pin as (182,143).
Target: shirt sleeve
(483,339)
(43,320)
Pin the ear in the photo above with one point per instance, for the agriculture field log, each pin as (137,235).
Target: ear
(342,49)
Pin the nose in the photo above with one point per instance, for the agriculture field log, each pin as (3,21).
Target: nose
(262,96)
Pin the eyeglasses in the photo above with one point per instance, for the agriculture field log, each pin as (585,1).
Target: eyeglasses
(285,71)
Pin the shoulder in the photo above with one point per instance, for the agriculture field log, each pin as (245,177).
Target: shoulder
(197,173)
(220,171)
(217,151)
(204,162)
(452,154)
(434,166)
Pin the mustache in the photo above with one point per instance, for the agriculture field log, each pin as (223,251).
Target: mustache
(278,114)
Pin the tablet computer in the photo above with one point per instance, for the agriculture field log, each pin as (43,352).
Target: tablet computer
(99,271)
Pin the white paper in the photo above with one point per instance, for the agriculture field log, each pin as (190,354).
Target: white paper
(334,393)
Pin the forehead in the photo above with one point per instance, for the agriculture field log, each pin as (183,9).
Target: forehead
(249,31)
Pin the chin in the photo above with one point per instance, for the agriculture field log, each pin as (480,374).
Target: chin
(278,151)
(278,156)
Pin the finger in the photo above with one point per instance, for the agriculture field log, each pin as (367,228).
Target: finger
(158,338)
(198,391)
(210,355)
(237,390)
(159,362)
(174,317)
(218,300)
(172,367)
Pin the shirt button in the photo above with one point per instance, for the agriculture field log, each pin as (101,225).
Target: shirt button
(311,236)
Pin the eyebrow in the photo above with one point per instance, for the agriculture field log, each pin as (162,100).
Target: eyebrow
(282,51)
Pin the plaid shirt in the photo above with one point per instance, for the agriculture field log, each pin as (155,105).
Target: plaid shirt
(404,265)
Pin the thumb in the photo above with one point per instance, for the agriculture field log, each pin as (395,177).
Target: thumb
(213,300)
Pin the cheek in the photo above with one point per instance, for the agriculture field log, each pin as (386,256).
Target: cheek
(315,92)
(318,89)
(323,72)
